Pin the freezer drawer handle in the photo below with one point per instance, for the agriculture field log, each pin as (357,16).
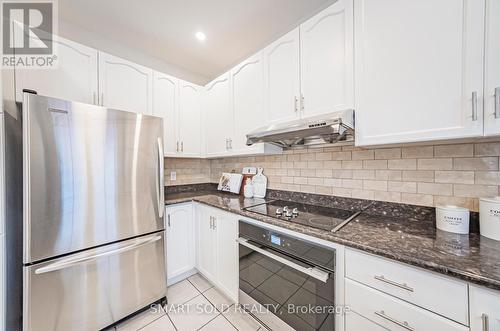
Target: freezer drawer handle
(71,261)
(311,271)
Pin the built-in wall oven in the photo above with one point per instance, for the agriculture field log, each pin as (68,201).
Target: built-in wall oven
(293,279)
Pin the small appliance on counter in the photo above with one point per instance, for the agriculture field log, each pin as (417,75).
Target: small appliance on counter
(452,219)
(230,182)
(489,217)
(259,182)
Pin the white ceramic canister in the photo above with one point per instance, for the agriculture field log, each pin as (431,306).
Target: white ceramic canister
(452,219)
(489,217)
(248,189)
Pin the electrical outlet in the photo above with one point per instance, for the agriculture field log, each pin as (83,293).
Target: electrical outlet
(173,175)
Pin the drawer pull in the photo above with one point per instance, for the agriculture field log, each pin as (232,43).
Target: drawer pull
(485,321)
(393,283)
(404,325)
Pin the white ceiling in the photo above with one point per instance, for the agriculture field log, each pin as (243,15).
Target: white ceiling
(165,29)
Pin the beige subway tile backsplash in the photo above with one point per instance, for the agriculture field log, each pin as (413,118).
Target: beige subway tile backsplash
(476,163)
(423,175)
(459,150)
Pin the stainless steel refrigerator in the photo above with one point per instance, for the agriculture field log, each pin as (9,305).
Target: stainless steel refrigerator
(84,214)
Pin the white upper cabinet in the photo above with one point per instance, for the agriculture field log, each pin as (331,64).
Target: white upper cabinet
(326,60)
(75,77)
(165,94)
(484,312)
(492,69)
(189,120)
(219,119)
(282,77)
(419,70)
(248,100)
(125,85)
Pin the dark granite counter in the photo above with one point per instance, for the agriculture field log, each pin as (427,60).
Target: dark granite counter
(386,232)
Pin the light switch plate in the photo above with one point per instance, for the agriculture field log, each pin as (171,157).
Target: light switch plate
(173,175)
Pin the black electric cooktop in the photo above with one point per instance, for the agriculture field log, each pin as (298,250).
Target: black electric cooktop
(325,218)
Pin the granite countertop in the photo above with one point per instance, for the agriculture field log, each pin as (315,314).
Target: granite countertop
(411,240)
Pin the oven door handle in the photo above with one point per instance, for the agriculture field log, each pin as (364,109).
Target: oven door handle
(311,271)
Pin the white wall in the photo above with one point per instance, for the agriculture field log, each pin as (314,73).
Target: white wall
(99,42)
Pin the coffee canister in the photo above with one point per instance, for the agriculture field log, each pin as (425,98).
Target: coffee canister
(489,217)
(452,219)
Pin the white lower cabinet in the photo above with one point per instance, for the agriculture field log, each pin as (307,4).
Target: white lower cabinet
(206,238)
(393,313)
(416,286)
(484,309)
(180,240)
(356,322)
(217,257)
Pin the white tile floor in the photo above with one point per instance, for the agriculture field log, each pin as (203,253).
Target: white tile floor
(204,308)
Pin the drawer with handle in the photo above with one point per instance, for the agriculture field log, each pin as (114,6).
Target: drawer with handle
(355,322)
(393,313)
(411,284)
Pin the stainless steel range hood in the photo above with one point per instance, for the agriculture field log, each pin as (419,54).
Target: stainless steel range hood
(324,129)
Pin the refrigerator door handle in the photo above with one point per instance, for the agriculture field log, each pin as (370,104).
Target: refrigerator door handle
(83,257)
(161,180)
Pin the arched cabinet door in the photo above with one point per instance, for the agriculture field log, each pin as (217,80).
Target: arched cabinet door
(248,100)
(282,78)
(190,127)
(219,119)
(165,103)
(125,85)
(74,78)
(326,60)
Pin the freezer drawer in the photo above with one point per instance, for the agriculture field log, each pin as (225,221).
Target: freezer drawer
(95,288)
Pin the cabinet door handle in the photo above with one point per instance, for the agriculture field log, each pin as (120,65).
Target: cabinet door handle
(230,143)
(296,104)
(211,222)
(474,106)
(485,321)
(215,224)
(102,99)
(93,99)
(393,283)
(182,146)
(177,146)
(497,102)
(227,146)
(302,102)
(168,220)
(404,325)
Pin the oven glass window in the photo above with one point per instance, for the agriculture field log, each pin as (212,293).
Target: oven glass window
(303,302)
